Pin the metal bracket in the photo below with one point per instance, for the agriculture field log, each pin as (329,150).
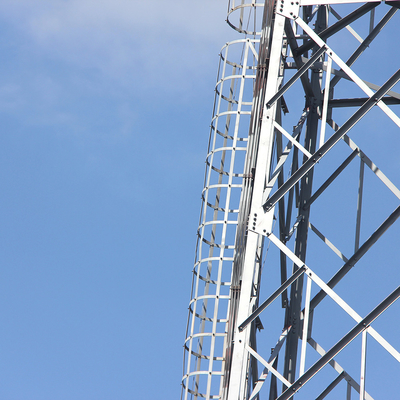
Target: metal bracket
(289,9)
(261,221)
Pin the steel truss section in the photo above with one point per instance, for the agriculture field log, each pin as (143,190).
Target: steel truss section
(294,106)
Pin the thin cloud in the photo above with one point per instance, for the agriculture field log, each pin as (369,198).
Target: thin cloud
(141,44)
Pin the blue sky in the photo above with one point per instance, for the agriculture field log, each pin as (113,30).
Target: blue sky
(105,110)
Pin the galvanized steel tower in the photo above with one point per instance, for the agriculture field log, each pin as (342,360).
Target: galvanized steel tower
(294,250)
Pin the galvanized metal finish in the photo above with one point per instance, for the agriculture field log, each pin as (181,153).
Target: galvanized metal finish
(280,175)
(207,324)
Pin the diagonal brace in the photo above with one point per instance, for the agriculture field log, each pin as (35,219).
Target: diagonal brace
(345,163)
(356,256)
(296,76)
(340,345)
(339,25)
(332,141)
(271,298)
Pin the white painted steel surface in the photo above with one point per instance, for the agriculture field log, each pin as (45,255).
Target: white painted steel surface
(272,173)
(208,307)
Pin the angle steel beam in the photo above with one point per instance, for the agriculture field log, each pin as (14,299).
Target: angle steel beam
(297,59)
(356,256)
(304,68)
(238,373)
(337,26)
(367,41)
(340,345)
(341,167)
(384,179)
(371,102)
(271,298)
(331,386)
(357,102)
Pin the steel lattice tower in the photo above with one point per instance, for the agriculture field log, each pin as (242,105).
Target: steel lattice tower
(298,130)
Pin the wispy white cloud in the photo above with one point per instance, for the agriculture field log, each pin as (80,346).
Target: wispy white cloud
(141,44)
